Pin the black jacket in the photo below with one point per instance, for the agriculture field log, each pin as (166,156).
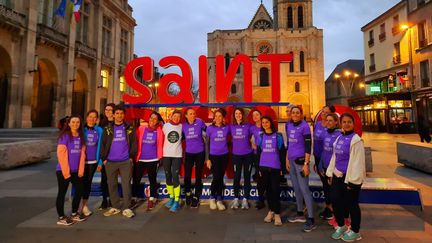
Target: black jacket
(108,136)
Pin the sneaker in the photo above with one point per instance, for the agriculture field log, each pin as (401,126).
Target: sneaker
(259,205)
(175,207)
(245,204)
(269,218)
(339,232)
(151,204)
(351,236)
(277,220)
(86,211)
(235,204)
(169,203)
(188,199)
(195,202)
(332,222)
(220,206)
(104,205)
(111,212)
(309,225)
(297,219)
(128,213)
(213,205)
(77,217)
(326,214)
(65,221)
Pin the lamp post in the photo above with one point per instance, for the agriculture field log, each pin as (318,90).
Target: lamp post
(350,76)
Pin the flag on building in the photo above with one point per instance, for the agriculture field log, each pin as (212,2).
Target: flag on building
(77,6)
(61,10)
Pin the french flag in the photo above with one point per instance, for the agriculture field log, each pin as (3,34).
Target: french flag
(76,9)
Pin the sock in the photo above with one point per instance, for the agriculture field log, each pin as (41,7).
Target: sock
(177,193)
(170,189)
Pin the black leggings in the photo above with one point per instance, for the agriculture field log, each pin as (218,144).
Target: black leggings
(63,185)
(260,185)
(218,168)
(242,162)
(190,161)
(139,169)
(104,183)
(326,187)
(89,172)
(346,201)
(271,180)
(172,168)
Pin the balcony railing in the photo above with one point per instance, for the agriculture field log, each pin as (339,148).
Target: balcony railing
(382,36)
(397,59)
(84,50)
(371,42)
(51,36)
(372,68)
(11,17)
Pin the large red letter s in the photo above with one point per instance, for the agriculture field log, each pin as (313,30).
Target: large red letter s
(146,64)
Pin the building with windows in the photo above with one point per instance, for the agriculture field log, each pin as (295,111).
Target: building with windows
(52,66)
(290,30)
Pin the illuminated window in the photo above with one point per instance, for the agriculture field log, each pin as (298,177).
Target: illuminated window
(122,84)
(104,78)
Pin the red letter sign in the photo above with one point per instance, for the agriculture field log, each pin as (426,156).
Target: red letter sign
(203,79)
(146,64)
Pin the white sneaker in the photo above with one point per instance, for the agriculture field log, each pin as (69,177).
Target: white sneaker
(235,204)
(111,212)
(245,204)
(213,204)
(86,211)
(220,206)
(128,213)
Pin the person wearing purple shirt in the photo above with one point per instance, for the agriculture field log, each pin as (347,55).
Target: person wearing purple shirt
(298,157)
(217,134)
(93,136)
(256,132)
(319,132)
(70,168)
(242,156)
(118,148)
(347,172)
(193,129)
(270,149)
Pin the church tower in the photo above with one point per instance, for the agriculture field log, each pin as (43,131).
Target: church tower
(292,14)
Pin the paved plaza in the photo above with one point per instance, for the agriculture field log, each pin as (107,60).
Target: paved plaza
(27,207)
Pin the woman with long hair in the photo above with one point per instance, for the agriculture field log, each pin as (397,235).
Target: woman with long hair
(217,162)
(93,136)
(347,172)
(193,131)
(70,168)
(256,132)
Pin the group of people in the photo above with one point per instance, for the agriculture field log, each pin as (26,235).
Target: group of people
(115,148)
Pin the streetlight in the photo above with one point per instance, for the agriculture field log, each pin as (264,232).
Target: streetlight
(347,74)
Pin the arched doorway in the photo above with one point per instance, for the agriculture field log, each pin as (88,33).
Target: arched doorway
(43,98)
(5,74)
(79,94)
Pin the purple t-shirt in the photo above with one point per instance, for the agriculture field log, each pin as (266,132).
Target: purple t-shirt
(74,151)
(329,139)
(149,145)
(295,137)
(91,144)
(342,152)
(256,132)
(269,153)
(218,139)
(318,142)
(241,136)
(193,136)
(119,151)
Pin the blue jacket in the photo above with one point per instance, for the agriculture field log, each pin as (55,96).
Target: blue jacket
(99,131)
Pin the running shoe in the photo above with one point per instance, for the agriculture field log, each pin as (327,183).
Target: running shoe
(269,218)
(297,219)
(169,203)
(245,204)
(128,213)
(339,232)
(195,202)
(220,206)
(111,212)
(351,236)
(213,205)
(309,225)
(65,221)
(77,217)
(86,211)
(175,207)
(235,204)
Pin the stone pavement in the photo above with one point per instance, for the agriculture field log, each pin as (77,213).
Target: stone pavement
(27,207)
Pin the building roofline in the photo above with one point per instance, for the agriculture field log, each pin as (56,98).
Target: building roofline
(380,17)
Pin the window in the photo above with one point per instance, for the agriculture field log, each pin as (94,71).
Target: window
(106,36)
(104,78)
(424,73)
(302,62)
(264,77)
(372,62)
(291,65)
(227,61)
(233,88)
(82,26)
(124,46)
(297,87)
(420,3)
(371,38)
(290,17)
(396,28)
(396,53)
(382,34)
(46,12)
(122,84)
(300,16)
(422,34)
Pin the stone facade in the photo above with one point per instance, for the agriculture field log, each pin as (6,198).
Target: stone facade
(53,66)
(291,30)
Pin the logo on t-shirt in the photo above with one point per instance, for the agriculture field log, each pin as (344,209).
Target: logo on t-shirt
(173,137)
